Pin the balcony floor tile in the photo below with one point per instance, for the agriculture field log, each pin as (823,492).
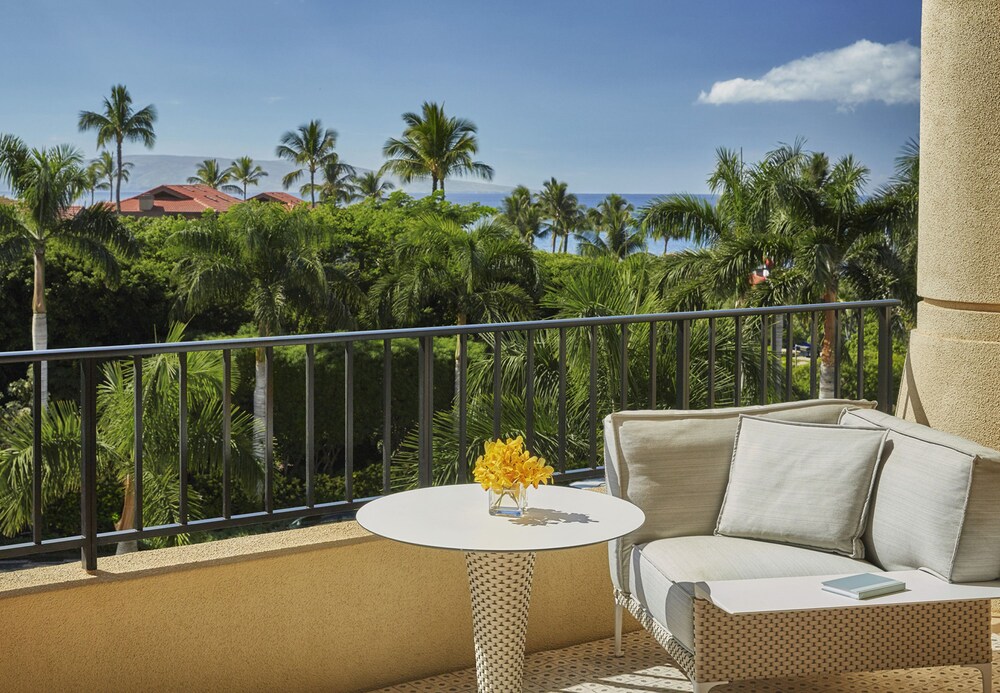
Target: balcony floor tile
(646,668)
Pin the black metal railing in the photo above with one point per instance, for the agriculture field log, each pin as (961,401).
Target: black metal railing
(743,326)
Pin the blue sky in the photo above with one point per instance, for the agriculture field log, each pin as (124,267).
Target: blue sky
(609,96)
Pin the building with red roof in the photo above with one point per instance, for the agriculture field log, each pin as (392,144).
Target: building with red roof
(284,198)
(189,201)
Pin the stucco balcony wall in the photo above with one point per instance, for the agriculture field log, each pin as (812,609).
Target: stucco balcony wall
(329,608)
(952,379)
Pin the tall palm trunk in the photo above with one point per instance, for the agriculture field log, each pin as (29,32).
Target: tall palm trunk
(127,520)
(118,175)
(312,185)
(554,235)
(827,387)
(39,320)
(259,403)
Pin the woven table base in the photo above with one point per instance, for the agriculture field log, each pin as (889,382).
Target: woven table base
(500,584)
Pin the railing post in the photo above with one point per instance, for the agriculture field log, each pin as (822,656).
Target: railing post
(764,361)
(497,384)
(269,429)
(738,362)
(860,356)
(711,363)
(88,463)
(349,421)
(36,452)
(562,400)
(463,408)
(386,415)
(592,396)
(310,425)
(683,377)
(137,438)
(529,391)
(227,433)
(182,434)
(425,376)
(652,365)
(884,359)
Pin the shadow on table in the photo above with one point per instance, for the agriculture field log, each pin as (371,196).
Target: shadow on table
(541,517)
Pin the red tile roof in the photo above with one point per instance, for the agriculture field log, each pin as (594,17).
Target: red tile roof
(284,198)
(184,200)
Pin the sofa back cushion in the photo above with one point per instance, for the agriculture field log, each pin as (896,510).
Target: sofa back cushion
(801,483)
(674,465)
(936,502)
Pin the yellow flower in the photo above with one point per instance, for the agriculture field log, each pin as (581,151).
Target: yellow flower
(508,464)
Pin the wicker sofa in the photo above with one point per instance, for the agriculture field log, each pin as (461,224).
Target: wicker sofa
(932,506)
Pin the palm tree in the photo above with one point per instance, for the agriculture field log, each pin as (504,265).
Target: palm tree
(371,186)
(792,208)
(214,176)
(821,208)
(46,183)
(104,168)
(485,274)
(615,231)
(520,209)
(733,234)
(264,258)
(245,172)
(561,211)
(893,265)
(92,178)
(118,122)
(309,147)
(434,146)
(338,181)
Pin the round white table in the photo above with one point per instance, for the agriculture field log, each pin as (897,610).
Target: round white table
(499,553)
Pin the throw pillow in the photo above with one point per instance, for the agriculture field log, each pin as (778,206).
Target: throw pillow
(803,484)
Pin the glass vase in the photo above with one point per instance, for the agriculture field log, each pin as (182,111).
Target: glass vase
(510,502)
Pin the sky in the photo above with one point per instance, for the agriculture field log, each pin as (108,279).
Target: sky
(628,96)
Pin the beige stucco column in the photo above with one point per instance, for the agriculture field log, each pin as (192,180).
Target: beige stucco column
(952,380)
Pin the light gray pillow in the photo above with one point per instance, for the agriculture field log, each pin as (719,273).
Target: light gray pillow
(935,502)
(802,484)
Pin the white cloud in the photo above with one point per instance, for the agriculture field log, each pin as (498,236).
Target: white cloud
(274,99)
(863,71)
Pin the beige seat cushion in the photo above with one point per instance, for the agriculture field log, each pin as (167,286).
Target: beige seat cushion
(936,502)
(664,572)
(802,484)
(674,465)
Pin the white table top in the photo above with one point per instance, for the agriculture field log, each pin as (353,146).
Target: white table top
(457,517)
(806,593)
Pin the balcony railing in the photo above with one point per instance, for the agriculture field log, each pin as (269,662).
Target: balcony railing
(736,332)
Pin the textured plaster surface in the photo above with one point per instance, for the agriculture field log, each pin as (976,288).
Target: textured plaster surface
(952,375)
(959,251)
(328,608)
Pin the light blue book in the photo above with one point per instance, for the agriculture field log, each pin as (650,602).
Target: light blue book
(864,586)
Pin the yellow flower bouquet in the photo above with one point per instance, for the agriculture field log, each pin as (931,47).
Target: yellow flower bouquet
(505,470)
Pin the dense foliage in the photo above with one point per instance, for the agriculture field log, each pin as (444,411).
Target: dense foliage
(389,260)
